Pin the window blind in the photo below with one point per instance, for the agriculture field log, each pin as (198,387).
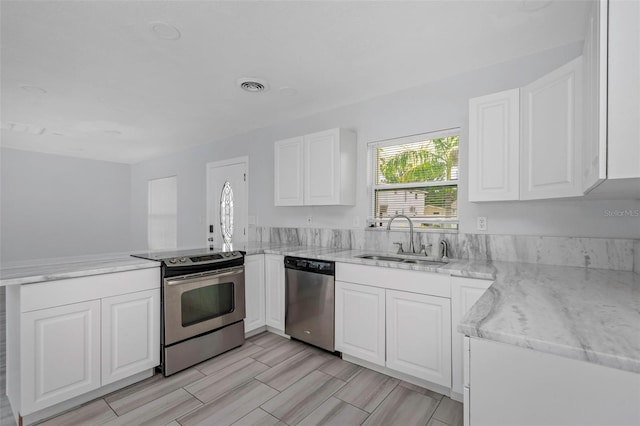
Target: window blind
(416,176)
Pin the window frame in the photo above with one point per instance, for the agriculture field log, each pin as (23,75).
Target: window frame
(375,223)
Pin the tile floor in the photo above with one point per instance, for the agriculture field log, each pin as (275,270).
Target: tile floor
(269,380)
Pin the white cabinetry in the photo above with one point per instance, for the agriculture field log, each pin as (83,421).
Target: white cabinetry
(316,169)
(419,336)
(130,334)
(397,319)
(494,138)
(594,150)
(624,91)
(61,354)
(510,385)
(552,137)
(68,337)
(360,321)
(254,292)
(274,276)
(464,293)
(288,171)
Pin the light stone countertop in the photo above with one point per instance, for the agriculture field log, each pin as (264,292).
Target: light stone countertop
(41,270)
(586,314)
(591,315)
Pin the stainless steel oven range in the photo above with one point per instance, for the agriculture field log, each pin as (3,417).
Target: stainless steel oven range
(203,306)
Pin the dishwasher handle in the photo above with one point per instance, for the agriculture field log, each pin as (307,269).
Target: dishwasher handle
(316,266)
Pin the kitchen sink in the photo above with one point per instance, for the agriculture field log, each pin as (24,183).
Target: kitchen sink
(402,260)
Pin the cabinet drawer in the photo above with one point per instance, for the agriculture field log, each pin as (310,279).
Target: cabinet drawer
(395,279)
(73,290)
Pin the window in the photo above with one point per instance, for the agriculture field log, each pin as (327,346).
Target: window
(163,214)
(416,176)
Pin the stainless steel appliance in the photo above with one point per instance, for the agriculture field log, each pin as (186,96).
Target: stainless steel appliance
(310,301)
(203,305)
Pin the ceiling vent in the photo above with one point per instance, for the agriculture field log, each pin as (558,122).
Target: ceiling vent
(253,85)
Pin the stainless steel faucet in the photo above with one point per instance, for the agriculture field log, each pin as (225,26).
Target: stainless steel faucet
(411,248)
(445,249)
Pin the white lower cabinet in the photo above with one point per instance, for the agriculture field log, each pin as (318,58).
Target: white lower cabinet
(254,292)
(464,293)
(397,319)
(68,337)
(511,385)
(274,285)
(360,321)
(130,334)
(60,354)
(419,336)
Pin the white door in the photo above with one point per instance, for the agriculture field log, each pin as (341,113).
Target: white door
(254,292)
(419,336)
(360,319)
(464,293)
(235,172)
(551,155)
(274,276)
(130,334)
(60,354)
(494,139)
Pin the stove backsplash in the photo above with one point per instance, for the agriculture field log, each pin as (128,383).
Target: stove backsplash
(601,253)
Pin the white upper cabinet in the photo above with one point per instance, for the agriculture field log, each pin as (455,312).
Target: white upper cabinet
(289,157)
(494,138)
(316,169)
(551,134)
(624,90)
(594,153)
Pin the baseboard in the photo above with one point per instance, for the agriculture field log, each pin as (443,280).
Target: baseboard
(56,410)
(398,375)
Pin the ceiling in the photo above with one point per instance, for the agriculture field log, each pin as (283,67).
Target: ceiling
(112,80)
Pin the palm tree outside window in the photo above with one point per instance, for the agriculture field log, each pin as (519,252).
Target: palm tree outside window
(416,176)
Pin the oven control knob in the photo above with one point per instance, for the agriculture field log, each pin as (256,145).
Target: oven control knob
(183,259)
(227,254)
(173,260)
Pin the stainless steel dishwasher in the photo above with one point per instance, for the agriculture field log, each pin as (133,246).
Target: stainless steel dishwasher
(310,299)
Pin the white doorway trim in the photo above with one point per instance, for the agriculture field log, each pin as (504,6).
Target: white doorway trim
(210,191)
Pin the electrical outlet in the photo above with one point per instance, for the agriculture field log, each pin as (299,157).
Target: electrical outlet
(482,223)
(309,219)
(356,221)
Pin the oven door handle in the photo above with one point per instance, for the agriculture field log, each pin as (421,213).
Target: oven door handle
(197,277)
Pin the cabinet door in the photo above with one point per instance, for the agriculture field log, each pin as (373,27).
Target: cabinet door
(322,168)
(130,334)
(289,159)
(254,292)
(60,354)
(494,139)
(419,336)
(274,276)
(552,134)
(624,87)
(360,319)
(464,293)
(594,155)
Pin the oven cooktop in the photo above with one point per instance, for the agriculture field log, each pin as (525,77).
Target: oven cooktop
(190,257)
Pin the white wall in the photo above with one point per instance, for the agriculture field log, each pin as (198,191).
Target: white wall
(54,206)
(429,108)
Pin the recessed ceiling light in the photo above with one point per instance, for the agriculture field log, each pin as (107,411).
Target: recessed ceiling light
(288,91)
(252,84)
(165,31)
(33,89)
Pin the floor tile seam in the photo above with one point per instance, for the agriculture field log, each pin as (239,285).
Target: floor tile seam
(247,380)
(385,398)
(190,411)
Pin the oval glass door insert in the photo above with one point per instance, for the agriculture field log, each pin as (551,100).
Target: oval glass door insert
(226,215)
